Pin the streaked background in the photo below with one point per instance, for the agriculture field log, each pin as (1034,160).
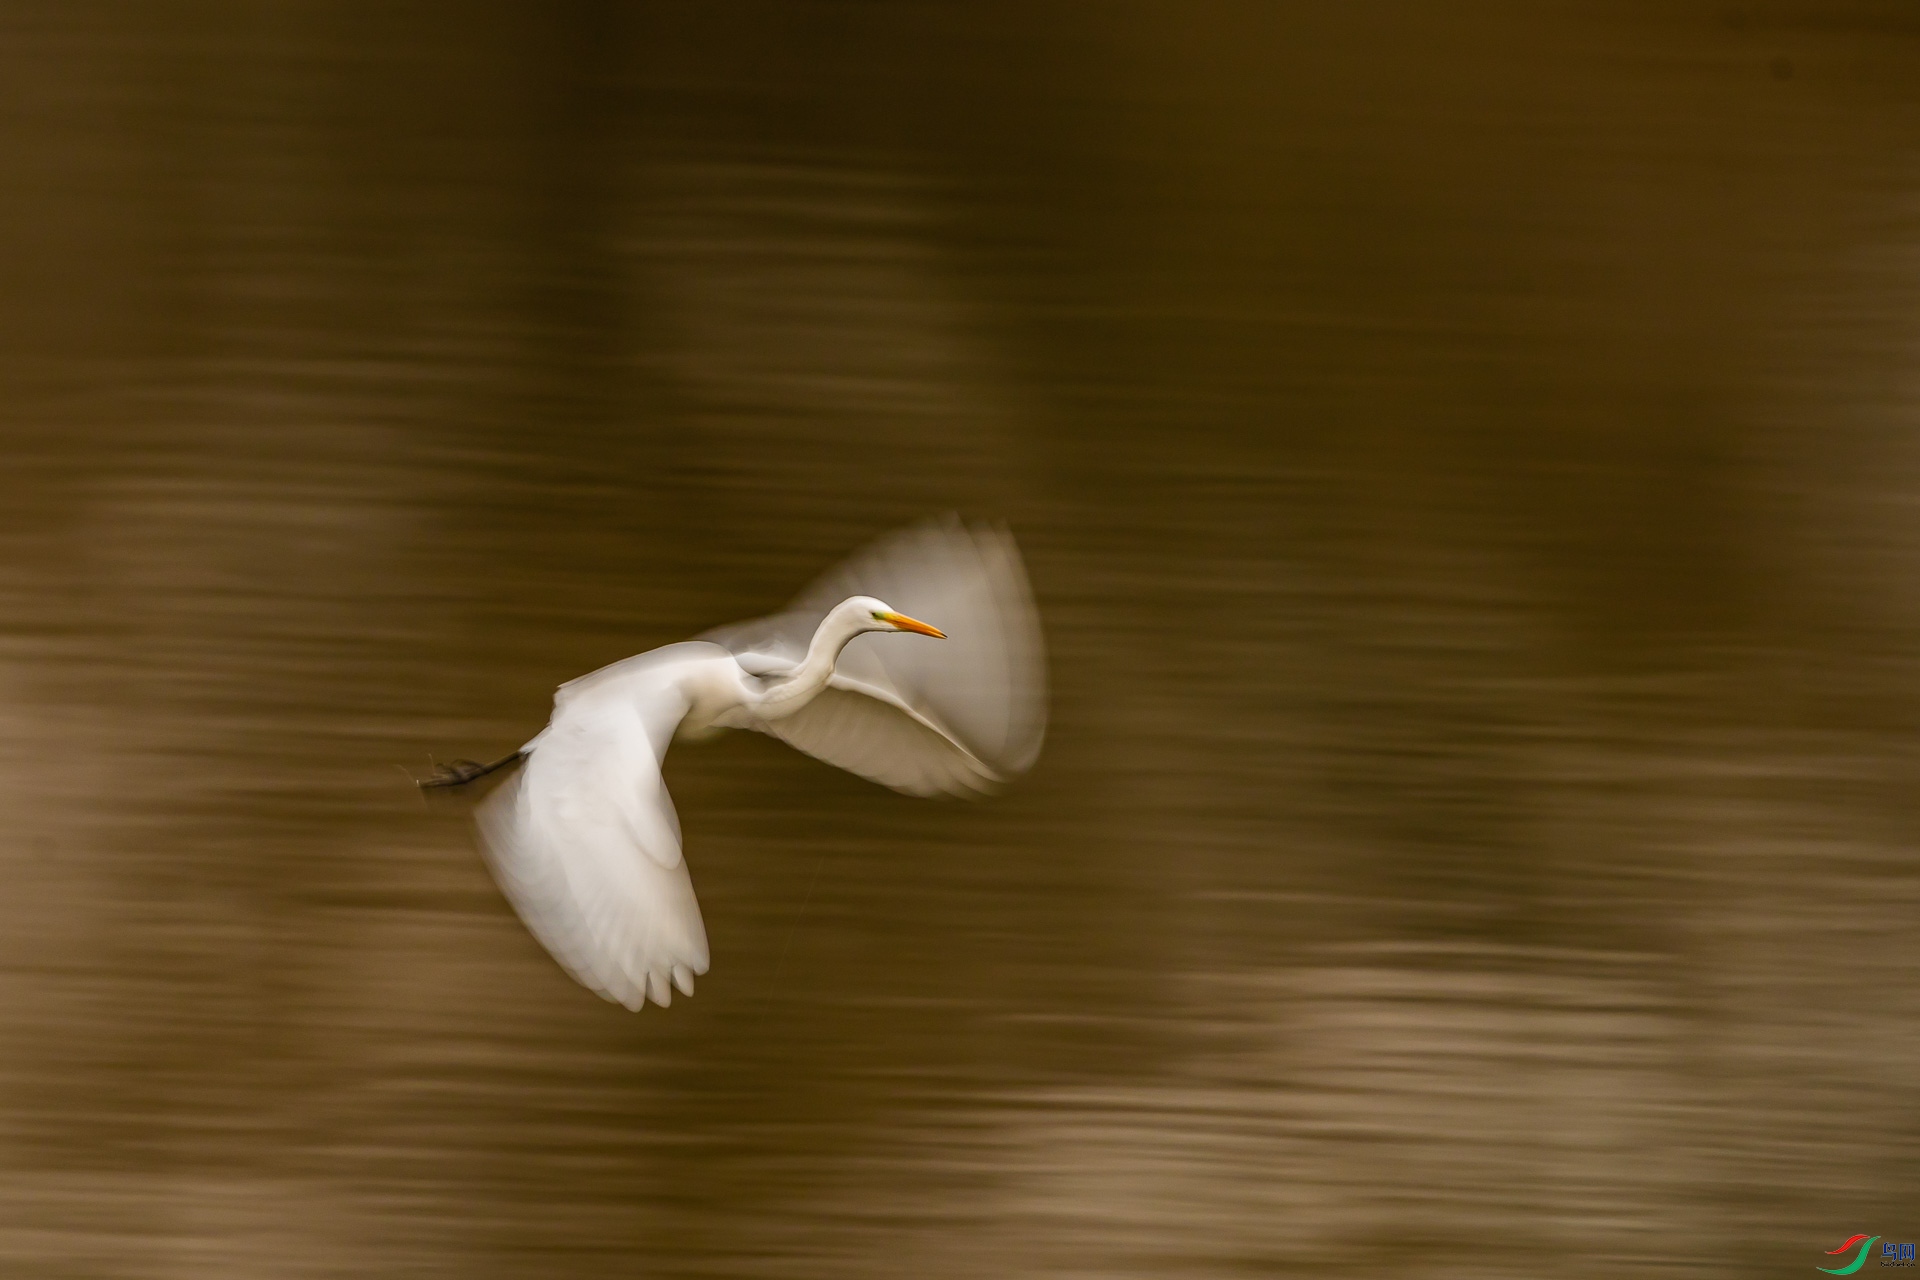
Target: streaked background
(1469,461)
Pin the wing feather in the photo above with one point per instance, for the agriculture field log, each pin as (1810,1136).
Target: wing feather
(869,734)
(584,841)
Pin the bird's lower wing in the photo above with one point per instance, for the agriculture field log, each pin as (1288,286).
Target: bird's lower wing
(585,844)
(867,731)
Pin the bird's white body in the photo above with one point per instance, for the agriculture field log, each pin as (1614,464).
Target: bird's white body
(584,839)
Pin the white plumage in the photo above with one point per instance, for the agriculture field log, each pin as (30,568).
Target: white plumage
(583,838)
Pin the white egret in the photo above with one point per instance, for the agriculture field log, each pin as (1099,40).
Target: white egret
(583,838)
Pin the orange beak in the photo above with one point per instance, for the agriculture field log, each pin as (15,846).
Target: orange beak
(905,623)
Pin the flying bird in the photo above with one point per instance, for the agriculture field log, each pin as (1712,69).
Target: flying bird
(583,838)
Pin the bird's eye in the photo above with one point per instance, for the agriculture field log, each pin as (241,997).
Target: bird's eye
(879,616)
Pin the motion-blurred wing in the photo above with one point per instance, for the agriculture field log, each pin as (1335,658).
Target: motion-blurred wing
(954,715)
(865,732)
(585,843)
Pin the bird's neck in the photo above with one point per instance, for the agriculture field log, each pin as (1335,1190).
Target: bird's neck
(805,681)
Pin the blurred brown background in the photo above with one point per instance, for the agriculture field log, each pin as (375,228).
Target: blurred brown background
(1468,460)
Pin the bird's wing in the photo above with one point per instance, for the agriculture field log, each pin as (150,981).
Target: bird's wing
(864,731)
(585,843)
(953,715)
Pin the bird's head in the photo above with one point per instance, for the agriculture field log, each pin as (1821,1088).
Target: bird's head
(878,615)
